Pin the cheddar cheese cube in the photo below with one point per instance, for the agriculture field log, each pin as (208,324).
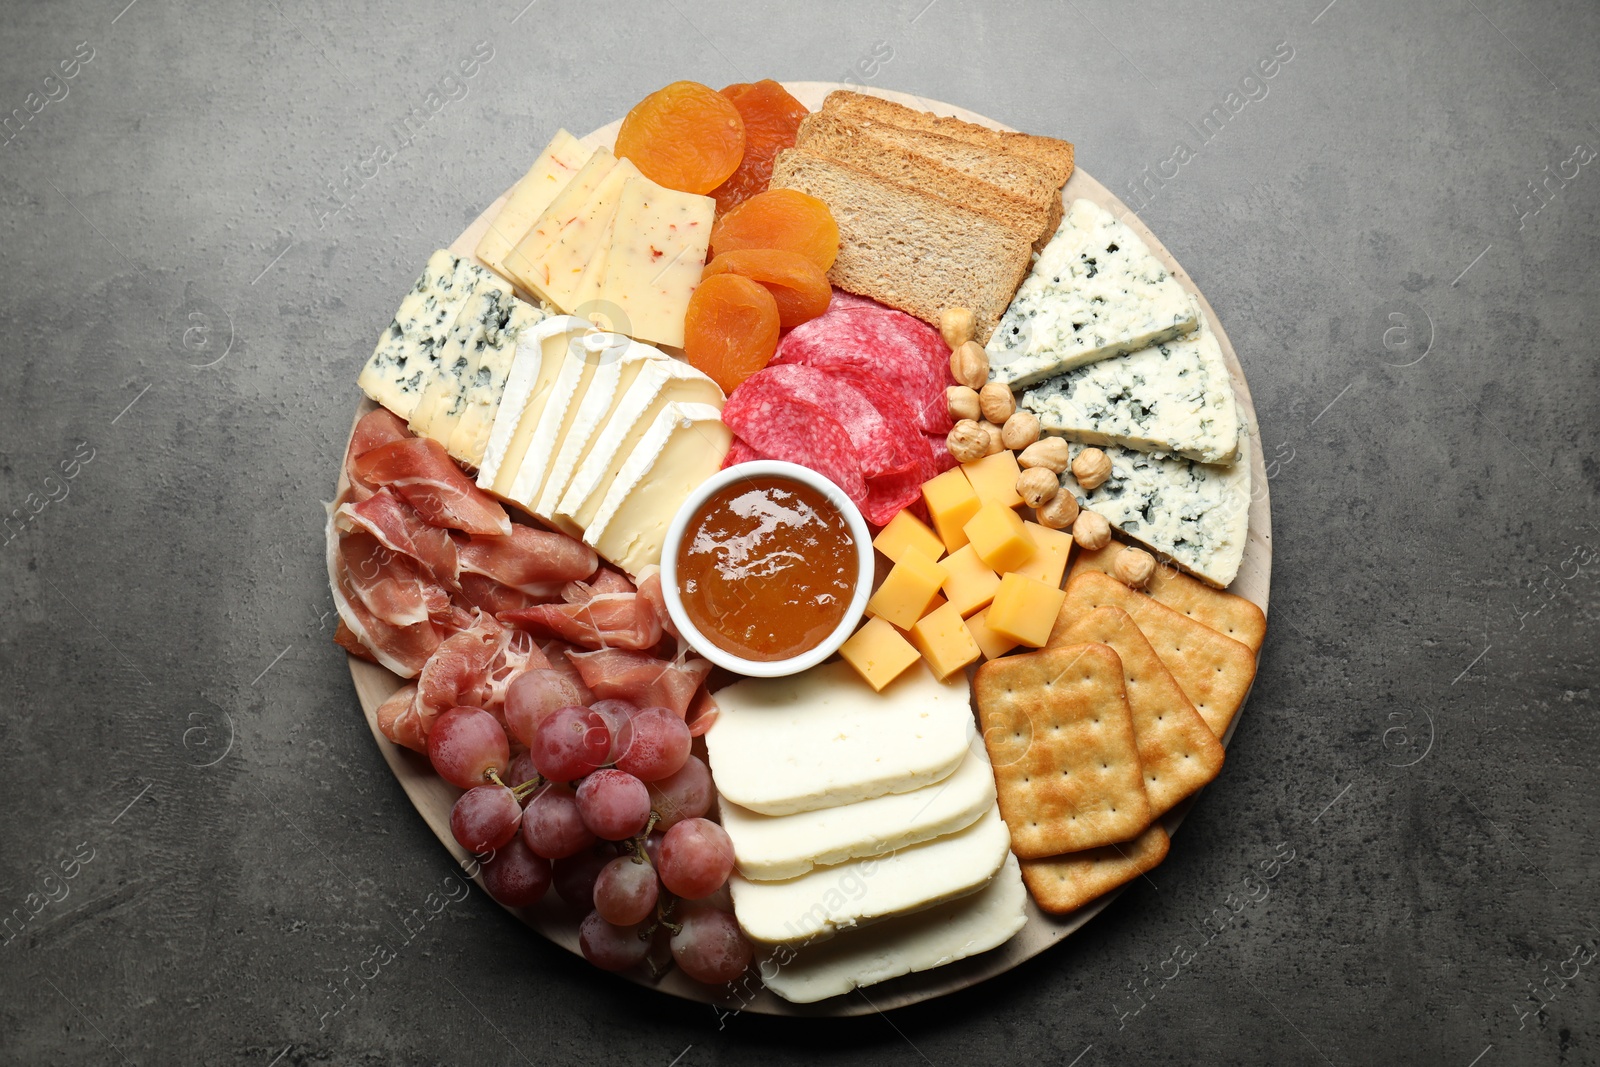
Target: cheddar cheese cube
(994,478)
(1050,551)
(994,645)
(969,583)
(905,531)
(878,653)
(951,502)
(1025,609)
(909,588)
(997,535)
(944,641)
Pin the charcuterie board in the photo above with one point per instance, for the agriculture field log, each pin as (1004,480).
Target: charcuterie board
(433,797)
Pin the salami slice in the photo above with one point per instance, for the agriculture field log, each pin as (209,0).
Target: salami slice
(881,447)
(888,494)
(841,300)
(890,344)
(740,452)
(942,459)
(782,427)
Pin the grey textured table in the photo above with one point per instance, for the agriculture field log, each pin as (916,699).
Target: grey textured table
(204,859)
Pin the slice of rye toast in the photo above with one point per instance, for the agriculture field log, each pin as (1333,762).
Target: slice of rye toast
(1008,188)
(908,249)
(1053,154)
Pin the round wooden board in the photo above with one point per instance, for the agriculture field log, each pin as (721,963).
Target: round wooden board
(433,797)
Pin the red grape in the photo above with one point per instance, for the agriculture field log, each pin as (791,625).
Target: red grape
(616,713)
(696,858)
(574,877)
(710,948)
(569,743)
(534,694)
(465,744)
(614,804)
(654,744)
(684,795)
(551,825)
(652,848)
(611,948)
(626,891)
(515,876)
(521,770)
(485,817)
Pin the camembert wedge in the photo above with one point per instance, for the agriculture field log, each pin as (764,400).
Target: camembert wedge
(541,353)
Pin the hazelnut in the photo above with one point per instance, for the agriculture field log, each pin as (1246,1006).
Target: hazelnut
(968,441)
(1037,486)
(1060,511)
(957,326)
(1091,531)
(997,402)
(1091,468)
(1020,430)
(995,444)
(1134,567)
(969,364)
(1051,453)
(963,403)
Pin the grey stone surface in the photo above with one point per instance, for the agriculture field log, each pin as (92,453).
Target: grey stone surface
(184,314)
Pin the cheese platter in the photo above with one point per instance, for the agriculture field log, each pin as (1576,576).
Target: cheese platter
(550,413)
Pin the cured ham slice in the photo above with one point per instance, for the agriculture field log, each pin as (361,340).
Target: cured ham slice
(346,639)
(650,590)
(422,472)
(490,596)
(398,527)
(402,649)
(388,584)
(536,562)
(607,620)
(702,714)
(398,721)
(556,653)
(378,427)
(621,674)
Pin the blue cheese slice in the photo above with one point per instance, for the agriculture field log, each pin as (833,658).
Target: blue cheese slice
(403,361)
(1171,397)
(1195,514)
(486,313)
(1094,292)
(487,383)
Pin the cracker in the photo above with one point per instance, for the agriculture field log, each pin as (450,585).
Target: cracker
(1177,750)
(1214,671)
(1228,614)
(1060,738)
(1066,883)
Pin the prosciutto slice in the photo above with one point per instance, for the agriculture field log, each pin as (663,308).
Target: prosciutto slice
(490,596)
(537,562)
(389,585)
(622,674)
(609,620)
(377,427)
(422,472)
(402,649)
(399,528)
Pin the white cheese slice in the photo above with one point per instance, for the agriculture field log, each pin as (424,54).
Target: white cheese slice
(918,942)
(486,385)
(1171,397)
(823,738)
(684,446)
(659,383)
(479,324)
(657,255)
(584,355)
(618,362)
(523,261)
(1094,292)
(826,900)
(540,351)
(768,847)
(1196,514)
(561,159)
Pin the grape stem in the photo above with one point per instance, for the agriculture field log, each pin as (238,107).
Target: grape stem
(521,792)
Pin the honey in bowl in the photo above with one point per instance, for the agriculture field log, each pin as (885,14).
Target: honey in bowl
(767,568)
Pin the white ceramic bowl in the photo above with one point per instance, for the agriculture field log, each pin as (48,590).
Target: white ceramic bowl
(864,570)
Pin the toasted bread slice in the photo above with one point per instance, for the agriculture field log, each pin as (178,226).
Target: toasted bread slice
(1053,154)
(908,249)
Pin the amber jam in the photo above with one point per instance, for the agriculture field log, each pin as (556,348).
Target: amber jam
(767,568)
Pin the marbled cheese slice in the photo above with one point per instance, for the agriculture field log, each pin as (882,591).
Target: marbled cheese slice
(486,385)
(478,325)
(407,354)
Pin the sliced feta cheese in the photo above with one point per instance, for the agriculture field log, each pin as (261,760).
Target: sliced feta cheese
(541,351)
(659,383)
(768,847)
(478,325)
(826,900)
(684,446)
(912,943)
(487,383)
(1195,514)
(657,254)
(1094,292)
(1171,397)
(823,738)
(561,159)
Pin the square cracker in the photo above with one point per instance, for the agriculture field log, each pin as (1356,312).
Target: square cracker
(1060,738)
(1066,883)
(1214,671)
(1177,750)
(1230,615)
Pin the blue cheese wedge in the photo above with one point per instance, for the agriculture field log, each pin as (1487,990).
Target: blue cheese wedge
(487,383)
(1195,514)
(478,325)
(406,354)
(1095,291)
(1171,397)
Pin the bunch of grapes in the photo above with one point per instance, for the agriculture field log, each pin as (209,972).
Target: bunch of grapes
(606,803)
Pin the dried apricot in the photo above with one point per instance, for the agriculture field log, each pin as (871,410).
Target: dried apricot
(797,284)
(771,121)
(731,329)
(780,218)
(687,137)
